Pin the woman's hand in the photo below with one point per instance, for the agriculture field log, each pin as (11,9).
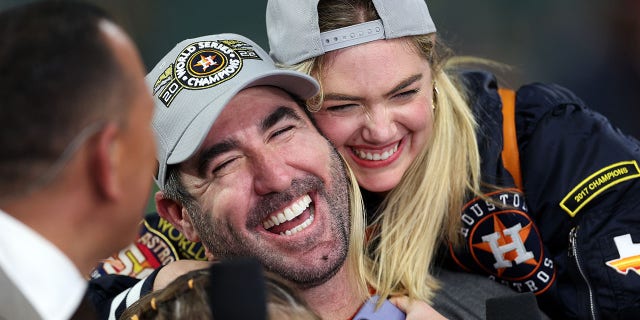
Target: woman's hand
(415,309)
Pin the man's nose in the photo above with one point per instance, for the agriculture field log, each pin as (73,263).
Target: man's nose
(271,173)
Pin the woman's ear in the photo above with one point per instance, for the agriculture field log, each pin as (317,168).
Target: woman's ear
(177,215)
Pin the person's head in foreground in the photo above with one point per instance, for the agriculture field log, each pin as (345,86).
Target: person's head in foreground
(77,147)
(194,296)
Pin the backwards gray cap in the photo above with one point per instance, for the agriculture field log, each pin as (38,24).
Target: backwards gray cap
(294,34)
(197,78)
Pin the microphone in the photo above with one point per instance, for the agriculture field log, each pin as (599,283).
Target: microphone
(237,290)
(521,306)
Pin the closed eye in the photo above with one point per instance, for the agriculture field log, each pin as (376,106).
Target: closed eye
(282,131)
(219,169)
(343,109)
(406,94)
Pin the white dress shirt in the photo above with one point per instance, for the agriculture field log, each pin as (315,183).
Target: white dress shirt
(44,275)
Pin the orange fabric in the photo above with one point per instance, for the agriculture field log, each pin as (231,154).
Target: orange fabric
(510,153)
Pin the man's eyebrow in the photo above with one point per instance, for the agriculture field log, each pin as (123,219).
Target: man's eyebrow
(277,115)
(213,151)
(405,83)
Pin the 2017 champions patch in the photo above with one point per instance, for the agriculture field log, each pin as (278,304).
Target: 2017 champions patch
(502,241)
(597,183)
(202,65)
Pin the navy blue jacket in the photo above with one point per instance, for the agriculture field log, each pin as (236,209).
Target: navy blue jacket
(572,234)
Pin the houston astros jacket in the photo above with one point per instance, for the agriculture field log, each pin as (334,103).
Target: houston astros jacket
(563,221)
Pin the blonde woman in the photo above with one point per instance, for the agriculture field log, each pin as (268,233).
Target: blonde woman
(445,162)
(192,296)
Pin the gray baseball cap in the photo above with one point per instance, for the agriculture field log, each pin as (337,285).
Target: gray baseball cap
(294,34)
(195,81)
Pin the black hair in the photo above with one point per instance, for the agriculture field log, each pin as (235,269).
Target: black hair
(58,74)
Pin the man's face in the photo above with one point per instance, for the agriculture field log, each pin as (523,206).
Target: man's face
(270,186)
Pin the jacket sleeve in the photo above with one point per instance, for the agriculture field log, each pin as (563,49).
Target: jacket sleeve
(580,177)
(121,279)
(112,294)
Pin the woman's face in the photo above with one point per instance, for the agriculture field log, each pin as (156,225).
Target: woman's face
(377,108)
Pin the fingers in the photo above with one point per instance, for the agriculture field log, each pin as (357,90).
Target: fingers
(402,302)
(415,309)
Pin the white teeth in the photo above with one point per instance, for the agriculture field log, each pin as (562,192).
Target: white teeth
(376,156)
(289,214)
(299,228)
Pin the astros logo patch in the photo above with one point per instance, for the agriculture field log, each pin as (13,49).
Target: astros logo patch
(503,242)
(202,65)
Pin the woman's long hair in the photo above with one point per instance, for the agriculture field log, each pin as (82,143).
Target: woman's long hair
(423,211)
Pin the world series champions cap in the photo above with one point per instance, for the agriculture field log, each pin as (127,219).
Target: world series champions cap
(193,83)
(294,34)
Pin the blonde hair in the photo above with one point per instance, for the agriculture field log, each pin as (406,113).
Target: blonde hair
(186,298)
(356,259)
(423,211)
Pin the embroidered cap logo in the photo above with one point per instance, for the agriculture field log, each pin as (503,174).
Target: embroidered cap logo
(199,65)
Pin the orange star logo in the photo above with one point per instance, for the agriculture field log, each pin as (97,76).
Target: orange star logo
(207,61)
(505,239)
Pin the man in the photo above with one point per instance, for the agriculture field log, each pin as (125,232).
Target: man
(77,152)
(242,169)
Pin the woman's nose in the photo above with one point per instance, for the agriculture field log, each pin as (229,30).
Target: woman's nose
(379,127)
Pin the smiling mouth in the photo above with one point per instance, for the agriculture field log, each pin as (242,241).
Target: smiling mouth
(376,156)
(291,219)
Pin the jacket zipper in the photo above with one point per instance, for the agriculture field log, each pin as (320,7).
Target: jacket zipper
(574,253)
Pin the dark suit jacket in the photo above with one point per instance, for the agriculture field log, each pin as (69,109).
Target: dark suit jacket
(13,304)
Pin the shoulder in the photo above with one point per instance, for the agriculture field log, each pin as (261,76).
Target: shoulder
(471,296)
(482,91)
(535,102)
(158,243)
(539,101)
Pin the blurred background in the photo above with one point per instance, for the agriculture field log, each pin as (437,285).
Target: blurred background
(590,46)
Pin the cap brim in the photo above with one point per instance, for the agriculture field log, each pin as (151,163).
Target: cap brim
(298,84)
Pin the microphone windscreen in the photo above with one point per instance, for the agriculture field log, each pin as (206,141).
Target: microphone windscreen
(521,306)
(237,290)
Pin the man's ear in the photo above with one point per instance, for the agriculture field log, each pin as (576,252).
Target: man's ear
(177,215)
(105,162)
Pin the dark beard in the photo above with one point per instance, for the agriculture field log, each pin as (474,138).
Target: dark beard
(220,238)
